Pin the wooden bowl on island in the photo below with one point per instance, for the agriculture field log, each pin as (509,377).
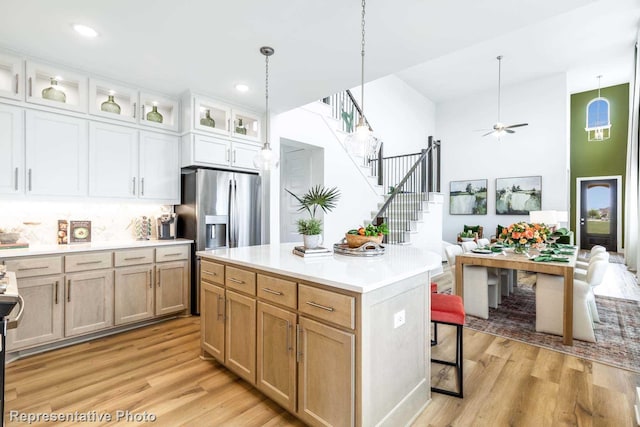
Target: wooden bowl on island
(356,240)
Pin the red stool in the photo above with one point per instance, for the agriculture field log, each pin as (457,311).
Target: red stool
(434,288)
(448,310)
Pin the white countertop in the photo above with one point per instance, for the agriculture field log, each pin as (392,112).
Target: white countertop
(86,247)
(340,271)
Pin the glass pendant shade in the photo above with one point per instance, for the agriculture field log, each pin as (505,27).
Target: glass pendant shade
(362,142)
(266,159)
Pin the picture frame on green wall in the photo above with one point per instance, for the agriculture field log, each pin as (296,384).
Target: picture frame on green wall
(519,195)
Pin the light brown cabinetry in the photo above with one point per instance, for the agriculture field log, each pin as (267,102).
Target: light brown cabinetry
(88,302)
(172,287)
(295,342)
(133,294)
(41,285)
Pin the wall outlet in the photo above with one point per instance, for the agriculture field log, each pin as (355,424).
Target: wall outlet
(398,319)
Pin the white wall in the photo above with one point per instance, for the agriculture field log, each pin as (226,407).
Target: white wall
(538,149)
(399,115)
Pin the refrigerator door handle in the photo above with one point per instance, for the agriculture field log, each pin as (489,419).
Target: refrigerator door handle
(234,212)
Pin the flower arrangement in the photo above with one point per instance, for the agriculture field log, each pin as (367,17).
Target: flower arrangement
(522,235)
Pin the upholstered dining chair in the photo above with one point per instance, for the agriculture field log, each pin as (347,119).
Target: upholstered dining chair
(507,276)
(580,273)
(550,297)
(594,249)
(480,287)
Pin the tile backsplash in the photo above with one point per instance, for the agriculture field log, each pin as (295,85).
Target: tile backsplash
(37,221)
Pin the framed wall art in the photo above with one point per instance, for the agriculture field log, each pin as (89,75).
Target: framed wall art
(468,197)
(518,196)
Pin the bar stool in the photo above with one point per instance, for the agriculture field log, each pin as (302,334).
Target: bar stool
(448,310)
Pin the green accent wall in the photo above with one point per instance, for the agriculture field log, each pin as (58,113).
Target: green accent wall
(599,158)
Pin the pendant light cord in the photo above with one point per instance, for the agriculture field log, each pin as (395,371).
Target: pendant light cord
(499,83)
(362,62)
(266,98)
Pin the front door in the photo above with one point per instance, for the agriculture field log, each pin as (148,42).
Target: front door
(599,213)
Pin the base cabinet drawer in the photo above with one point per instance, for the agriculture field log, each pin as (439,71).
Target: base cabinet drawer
(212,272)
(133,257)
(327,305)
(37,266)
(172,253)
(240,280)
(88,261)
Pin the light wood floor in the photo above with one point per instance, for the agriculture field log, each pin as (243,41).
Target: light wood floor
(157,369)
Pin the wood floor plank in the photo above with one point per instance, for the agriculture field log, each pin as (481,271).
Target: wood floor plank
(157,369)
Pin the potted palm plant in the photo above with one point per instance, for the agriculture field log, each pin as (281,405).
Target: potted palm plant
(317,197)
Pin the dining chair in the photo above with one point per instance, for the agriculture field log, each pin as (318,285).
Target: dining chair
(507,276)
(594,249)
(550,297)
(580,273)
(480,287)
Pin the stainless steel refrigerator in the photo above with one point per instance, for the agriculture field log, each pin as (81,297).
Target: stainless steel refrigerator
(219,209)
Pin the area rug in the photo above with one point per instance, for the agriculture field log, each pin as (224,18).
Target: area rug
(617,337)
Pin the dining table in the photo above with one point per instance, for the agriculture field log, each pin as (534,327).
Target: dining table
(525,262)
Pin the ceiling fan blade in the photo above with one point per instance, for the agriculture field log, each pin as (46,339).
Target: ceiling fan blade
(517,126)
(488,133)
(509,130)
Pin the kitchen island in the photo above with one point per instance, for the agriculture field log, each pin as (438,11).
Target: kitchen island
(336,340)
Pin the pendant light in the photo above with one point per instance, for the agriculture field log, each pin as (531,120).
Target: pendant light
(362,142)
(266,159)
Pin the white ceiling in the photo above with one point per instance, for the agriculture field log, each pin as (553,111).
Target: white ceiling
(444,49)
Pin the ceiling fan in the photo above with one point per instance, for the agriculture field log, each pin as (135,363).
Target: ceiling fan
(500,128)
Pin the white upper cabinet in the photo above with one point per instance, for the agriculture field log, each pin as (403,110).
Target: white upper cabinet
(159,111)
(55,87)
(113,161)
(210,116)
(56,154)
(11,77)
(113,101)
(159,171)
(245,125)
(12,150)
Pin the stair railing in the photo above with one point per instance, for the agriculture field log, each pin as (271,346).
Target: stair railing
(406,197)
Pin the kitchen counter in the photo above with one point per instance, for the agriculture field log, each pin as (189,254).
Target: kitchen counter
(357,274)
(360,327)
(87,247)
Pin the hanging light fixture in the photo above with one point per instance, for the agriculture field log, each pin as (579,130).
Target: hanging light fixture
(362,142)
(598,118)
(266,159)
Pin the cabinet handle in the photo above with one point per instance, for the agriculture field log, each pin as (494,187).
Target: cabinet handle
(135,107)
(208,272)
(228,150)
(29,175)
(134,258)
(234,156)
(289,336)
(56,292)
(134,186)
(298,343)
(30,87)
(17,83)
(149,279)
(158,277)
(220,315)
(241,282)
(16,180)
(69,290)
(324,307)
(42,267)
(173,254)
(89,262)
(142,186)
(271,291)
(142,110)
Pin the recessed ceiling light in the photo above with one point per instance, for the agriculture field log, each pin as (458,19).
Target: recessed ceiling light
(242,87)
(85,31)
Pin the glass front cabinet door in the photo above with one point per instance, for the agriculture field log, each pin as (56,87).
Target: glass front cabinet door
(210,116)
(55,87)
(113,101)
(246,125)
(159,111)
(11,77)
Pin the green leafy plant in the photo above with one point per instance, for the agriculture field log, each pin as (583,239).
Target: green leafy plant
(467,234)
(309,226)
(317,197)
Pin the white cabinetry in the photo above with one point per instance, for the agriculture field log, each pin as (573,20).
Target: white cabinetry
(12,150)
(168,108)
(56,154)
(11,77)
(126,98)
(201,150)
(74,86)
(127,163)
(159,169)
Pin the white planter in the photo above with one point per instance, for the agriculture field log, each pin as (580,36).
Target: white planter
(311,241)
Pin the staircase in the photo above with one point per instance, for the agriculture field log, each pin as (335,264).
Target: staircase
(408,185)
